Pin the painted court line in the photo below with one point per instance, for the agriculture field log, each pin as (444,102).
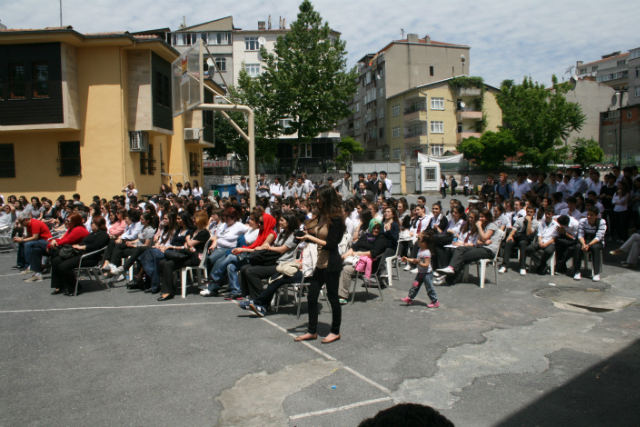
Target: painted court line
(110,308)
(317,350)
(340,408)
(13,274)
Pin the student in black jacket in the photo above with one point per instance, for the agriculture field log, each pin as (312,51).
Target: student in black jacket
(62,278)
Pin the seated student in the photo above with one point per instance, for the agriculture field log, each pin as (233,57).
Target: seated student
(117,227)
(571,209)
(632,246)
(252,275)
(565,241)
(38,235)
(542,248)
(594,196)
(365,218)
(371,244)
(438,223)
(75,233)
(588,203)
(502,220)
(130,234)
(62,278)
(520,209)
(590,239)
(468,236)
(189,255)
(225,236)
(144,239)
(522,234)
(454,226)
(489,238)
(391,233)
(261,223)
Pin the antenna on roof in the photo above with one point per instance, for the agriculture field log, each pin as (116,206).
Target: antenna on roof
(269,21)
(401,33)
(280,24)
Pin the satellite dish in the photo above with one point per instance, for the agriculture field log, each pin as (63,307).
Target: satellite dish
(614,100)
(262,41)
(462,104)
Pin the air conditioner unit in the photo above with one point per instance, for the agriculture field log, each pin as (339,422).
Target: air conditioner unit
(138,142)
(191,134)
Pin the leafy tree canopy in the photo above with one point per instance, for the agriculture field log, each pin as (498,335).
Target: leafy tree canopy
(586,152)
(491,149)
(346,148)
(539,119)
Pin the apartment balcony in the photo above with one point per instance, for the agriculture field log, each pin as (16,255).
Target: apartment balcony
(469,91)
(413,137)
(469,115)
(415,116)
(464,135)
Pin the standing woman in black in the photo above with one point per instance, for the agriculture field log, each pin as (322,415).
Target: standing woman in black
(326,230)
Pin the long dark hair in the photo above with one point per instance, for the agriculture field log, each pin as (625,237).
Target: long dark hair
(428,236)
(186,219)
(170,228)
(467,227)
(330,205)
(292,225)
(395,215)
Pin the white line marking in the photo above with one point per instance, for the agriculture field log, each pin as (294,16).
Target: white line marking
(14,274)
(107,308)
(340,408)
(363,378)
(320,352)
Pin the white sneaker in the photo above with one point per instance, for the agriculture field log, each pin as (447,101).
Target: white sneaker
(523,272)
(205,293)
(384,276)
(446,270)
(407,268)
(113,267)
(436,274)
(414,271)
(116,272)
(502,270)
(596,278)
(577,277)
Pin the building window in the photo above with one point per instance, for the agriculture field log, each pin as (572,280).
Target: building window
(396,153)
(431,70)
(638,91)
(7,161)
(635,54)
(459,127)
(621,63)
(182,39)
(305,150)
(437,127)
(17,81)
(148,161)
(252,69)
(358,124)
(637,71)
(284,123)
(380,113)
(194,164)
(40,76)
(358,107)
(396,110)
(144,162)
(357,90)
(161,161)
(629,114)
(437,150)
(69,159)
(380,93)
(381,132)
(437,103)
(221,63)
(251,43)
(430,174)
(583,71)
(218,38)
(595,68)
(396,132)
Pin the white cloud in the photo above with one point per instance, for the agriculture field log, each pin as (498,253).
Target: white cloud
(508,39)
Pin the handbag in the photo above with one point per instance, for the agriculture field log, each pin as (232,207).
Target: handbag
(176,256)
(289,268)
(263,257)
(67,252)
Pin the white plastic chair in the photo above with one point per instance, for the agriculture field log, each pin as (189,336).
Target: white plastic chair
(202,267)
(588,257)
(392,262)
(6,242)
(482,267)
(374,276)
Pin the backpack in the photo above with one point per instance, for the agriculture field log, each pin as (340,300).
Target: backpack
(454,183)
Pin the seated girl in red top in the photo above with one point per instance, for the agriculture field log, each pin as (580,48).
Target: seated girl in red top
(75,233)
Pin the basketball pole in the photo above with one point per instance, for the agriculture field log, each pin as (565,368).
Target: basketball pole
(251,139)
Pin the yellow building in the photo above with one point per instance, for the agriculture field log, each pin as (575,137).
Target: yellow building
(434,118)
(87,113)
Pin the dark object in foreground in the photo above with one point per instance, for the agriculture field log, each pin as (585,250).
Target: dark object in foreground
(407,415)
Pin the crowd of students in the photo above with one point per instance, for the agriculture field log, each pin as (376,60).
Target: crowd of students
(325,235)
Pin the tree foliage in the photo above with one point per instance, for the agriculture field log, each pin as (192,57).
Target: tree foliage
(346,147)
(586,152)
(491,149)
(304,79)
(539,119)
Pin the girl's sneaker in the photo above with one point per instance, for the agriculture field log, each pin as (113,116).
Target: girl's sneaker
(407,300)
(433,304)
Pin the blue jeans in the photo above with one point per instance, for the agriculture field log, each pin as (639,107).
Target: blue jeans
(214,257)
(38,250)
(28,248)
(427,279)
(229,266)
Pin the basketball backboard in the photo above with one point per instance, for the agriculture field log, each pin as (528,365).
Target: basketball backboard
(187,84)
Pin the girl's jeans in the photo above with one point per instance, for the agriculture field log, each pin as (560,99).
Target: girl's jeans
(427,279)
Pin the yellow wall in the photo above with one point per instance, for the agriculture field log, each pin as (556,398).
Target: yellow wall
(107,163)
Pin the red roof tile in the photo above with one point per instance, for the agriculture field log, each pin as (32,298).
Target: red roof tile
(606,59)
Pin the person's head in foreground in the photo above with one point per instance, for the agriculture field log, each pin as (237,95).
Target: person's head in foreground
(407,415)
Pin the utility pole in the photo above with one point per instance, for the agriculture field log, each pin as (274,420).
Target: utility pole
(620,91)
(61,13)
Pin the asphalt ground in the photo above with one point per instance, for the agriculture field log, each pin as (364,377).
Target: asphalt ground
(526,351)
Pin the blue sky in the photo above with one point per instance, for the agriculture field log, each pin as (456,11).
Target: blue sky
(508,39)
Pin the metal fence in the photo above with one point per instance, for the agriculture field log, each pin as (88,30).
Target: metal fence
(277,167)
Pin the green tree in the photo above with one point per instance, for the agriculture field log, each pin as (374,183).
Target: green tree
(491,149)
(586,152)
(304,79)
(540,119)
(346,147)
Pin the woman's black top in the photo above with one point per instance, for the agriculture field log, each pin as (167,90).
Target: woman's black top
(334,236)
(391,236)
(607,204)
(444,224)
(376,247)
(95,241)
(201,237)
(180,240)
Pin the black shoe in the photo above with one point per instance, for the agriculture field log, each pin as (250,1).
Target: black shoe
(168,297)
(46,270)
(17,267)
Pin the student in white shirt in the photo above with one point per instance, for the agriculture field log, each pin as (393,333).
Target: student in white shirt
(579,185)
(566,239)
(196,190)
(387,181)
(571,209)
(276,189)
(545,241)
(521,186)
(590,239)
(593,182)
(520,210)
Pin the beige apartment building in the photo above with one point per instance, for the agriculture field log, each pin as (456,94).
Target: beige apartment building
(433,118)
(399,66)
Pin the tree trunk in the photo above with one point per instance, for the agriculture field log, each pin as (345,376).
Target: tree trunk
(296,158)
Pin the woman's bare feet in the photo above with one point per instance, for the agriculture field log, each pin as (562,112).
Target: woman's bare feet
(306,337)
(330,338)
